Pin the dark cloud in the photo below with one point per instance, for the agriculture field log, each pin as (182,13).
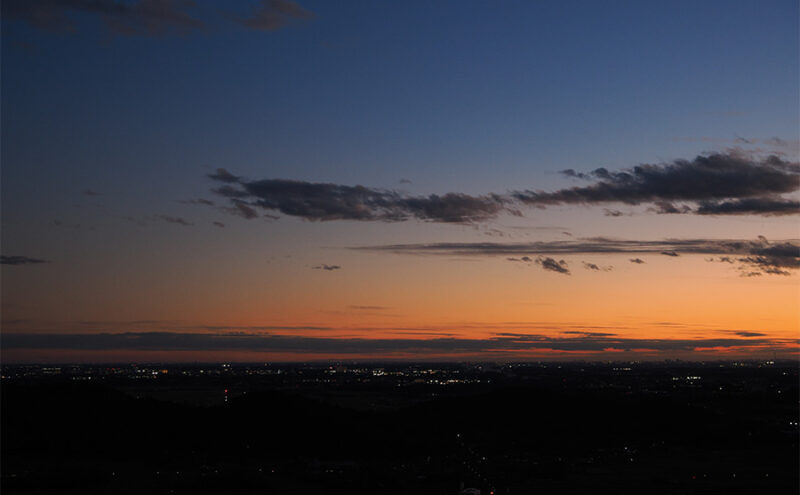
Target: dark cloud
(171,219)
(551,264)
(491,231)
(587,334)
(241,341)
(326,267)
(218,224)
(151,325)
(89,192)
(20,260)
(638,261)
(201,201)
(321,201)
(771,258)
(524,259)
(453,207)
(595,267)
(222,175)
(273,14)
(750,206)
(242,209)
(756,255)
(667,208)
(129,18)
(717,184)
(749,334)
(706,181)
(367,308)
(766,265)
(576,175)
(405,181)
(230,192)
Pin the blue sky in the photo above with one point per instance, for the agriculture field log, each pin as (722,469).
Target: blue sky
(472,96)
(422,97)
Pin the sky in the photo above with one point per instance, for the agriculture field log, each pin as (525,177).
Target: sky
(271,180)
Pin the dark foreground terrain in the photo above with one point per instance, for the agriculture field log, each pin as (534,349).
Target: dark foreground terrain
(718,428)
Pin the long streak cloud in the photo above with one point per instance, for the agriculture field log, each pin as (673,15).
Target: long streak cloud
(716,184)
(171,341)
(757,256)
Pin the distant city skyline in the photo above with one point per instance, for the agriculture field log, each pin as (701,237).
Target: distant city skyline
(289,181)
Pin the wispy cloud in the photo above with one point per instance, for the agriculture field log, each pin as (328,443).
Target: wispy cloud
(749,334)
(325,267)
(199,201)
(772,144)
(151,325)
(273,14)
(759,255)
(597,268)
(130,18)
(242,209)
(172,341)
(222,175)
(171,219)
(552,265)
(144,17)
(20,260)
(523,259)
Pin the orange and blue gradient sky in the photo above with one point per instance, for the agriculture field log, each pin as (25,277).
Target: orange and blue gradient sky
(271,180)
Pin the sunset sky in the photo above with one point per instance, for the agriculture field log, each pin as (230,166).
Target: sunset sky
(278,181)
